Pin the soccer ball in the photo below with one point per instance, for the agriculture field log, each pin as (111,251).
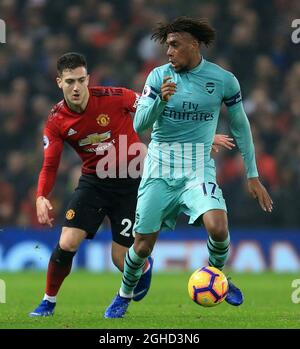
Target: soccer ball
(208,286)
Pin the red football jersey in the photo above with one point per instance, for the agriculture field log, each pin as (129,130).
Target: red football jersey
(106,117)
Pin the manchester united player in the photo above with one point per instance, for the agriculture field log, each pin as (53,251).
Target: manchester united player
(91,120)
(88,118)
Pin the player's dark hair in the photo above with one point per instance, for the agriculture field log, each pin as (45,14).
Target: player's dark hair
(198,28)
(70,60)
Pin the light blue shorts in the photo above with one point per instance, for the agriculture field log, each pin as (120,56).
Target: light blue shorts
(160,202)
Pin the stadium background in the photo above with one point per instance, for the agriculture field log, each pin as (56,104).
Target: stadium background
(253,41)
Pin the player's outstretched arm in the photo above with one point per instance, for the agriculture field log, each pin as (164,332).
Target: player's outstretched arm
(240,128)
(259,192)
(223,141)
(43,206)
(53,146)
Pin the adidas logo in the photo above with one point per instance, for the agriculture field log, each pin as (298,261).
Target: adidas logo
(71,132)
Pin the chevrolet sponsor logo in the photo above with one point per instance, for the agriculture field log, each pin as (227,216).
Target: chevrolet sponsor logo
(95,139)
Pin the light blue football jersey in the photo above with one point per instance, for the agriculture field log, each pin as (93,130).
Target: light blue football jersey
(190,117)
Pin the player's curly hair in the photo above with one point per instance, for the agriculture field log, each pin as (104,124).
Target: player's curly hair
(200,29)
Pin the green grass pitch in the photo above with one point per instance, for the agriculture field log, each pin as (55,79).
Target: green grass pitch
(84,297)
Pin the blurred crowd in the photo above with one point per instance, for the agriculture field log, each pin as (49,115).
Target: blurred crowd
(253,41)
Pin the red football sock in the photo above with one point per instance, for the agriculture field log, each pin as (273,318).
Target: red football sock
(55,276)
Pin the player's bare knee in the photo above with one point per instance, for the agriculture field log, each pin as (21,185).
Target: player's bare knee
(218,231)
(143,249)
(71,238)
(68,245)
(144,243)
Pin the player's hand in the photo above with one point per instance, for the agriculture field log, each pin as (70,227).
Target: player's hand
(43,206)
(259,192)
(223,141)
(167,89)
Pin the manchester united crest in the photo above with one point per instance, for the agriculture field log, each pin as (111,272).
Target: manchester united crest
(103,120)
(70,214)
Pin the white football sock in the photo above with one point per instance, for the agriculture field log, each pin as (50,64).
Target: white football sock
(51,299)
